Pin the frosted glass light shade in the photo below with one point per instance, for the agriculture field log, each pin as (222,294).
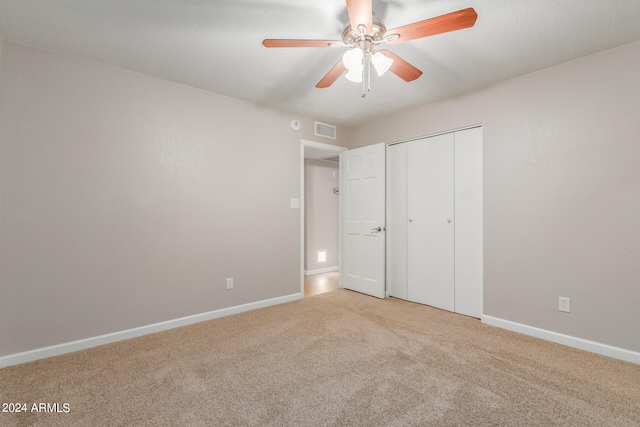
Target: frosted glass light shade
(355,75)
(381,63)
(352,59)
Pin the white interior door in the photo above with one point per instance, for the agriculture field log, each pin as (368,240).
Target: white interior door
(363,219)
(430,209)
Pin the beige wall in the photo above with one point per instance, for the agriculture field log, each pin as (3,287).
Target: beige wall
(127,200)
(321,212)
(561,192)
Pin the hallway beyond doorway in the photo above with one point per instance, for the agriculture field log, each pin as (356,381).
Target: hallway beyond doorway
(321,283)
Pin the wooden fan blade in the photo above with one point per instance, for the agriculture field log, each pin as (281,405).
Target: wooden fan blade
(453,21)
(402,68)
(332,75)
(360,13)
(300,43)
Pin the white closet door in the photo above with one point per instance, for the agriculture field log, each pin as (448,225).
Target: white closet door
(397,220)
(468,221)
(430,202)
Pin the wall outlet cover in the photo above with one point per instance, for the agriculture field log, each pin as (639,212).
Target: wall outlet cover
(564,304)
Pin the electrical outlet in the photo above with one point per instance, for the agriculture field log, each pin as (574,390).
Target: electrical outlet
(230,283)
(564,304)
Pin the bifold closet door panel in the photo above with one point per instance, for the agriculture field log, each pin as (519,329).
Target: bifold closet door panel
(468,221)
(397,220)
(430,211)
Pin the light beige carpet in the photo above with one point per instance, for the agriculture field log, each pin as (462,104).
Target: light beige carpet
(335,359)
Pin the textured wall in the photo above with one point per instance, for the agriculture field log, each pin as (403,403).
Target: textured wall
(126,200)
(561,192)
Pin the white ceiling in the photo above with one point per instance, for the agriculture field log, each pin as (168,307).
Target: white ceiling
(216,45)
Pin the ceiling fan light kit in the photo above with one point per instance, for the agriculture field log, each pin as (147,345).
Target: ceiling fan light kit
(365,31)
(359,59)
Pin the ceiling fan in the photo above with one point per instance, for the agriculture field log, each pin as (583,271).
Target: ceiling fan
(365,32)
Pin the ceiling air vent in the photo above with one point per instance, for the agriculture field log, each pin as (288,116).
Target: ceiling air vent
(325,130)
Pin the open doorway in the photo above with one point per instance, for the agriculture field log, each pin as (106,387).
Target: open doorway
(320,221)
(320,283)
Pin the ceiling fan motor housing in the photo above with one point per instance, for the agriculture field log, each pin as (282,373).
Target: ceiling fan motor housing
(350,36)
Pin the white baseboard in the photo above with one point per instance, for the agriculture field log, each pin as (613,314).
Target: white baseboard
(568,340)
(321,270)
(56,350)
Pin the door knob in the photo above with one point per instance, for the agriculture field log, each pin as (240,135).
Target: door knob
(378,229)
(449,220)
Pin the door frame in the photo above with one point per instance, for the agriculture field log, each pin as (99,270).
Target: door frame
(330,150)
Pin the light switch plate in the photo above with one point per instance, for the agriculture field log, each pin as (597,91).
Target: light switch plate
(295,203)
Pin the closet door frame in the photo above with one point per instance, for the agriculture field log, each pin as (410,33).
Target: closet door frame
(397,221)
